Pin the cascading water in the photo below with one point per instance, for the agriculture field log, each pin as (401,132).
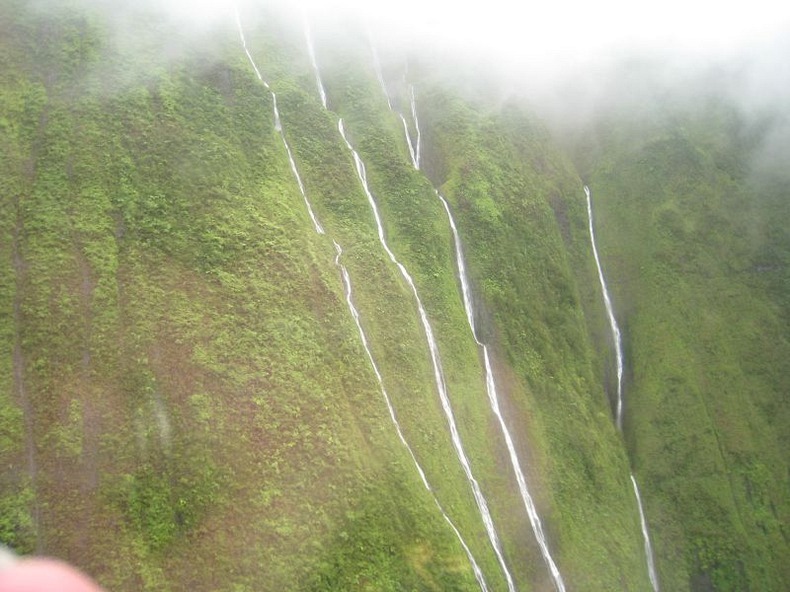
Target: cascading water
(412,152)
(278,126)
(618,341)
(416,121)
(618,346)
(363,338)
(480,500)
(414,147)
(651,568)
(478,573)
(529,505)
(437,368)
(311,52)
(379,75)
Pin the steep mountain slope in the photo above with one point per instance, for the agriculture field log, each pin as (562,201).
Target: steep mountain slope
(520,210)
(693,220)
(185,400)
(186,392)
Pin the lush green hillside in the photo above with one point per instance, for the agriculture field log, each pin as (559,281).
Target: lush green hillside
(185,402)
(521,212)
(694,234)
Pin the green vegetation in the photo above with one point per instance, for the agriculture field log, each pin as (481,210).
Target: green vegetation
(193,397)
(694,238)
(184,399)
(519,209)
(385,302)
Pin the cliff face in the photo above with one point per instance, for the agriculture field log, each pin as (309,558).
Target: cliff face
(200,391)
(694,223)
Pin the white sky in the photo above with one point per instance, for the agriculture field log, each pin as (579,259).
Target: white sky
(547,35)
(527,25)
(575,27)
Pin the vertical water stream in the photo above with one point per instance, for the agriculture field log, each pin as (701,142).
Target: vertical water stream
(615,328)
(618,346)
(438,372)
(491,390)
(478,573)
(493,398)
(418,141)
(363,338)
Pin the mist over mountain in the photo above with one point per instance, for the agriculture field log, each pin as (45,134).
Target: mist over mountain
(312,297)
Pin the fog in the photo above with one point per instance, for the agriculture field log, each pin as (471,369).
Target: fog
(549,48)
(530,32)
(570,58)
(540,32)
(545,41)
(569,30)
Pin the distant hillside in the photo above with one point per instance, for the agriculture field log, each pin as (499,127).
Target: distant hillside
(695,232)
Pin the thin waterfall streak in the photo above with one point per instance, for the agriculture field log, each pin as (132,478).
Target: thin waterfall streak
(278,126)
(651,568)
(459,260)
(437,369)
(316,224)
(534,518)
(529,505)
(247,51)
(362,174)
(379,75)
(478,573)
(618,342)
(414,149)
(475,567)
(439,378)
(311,52)
(416,127)
(363,338)
(412,153)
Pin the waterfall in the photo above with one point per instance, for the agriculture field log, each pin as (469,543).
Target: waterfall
(311,52)
(416,121)
(438,372)
(618,345)
(278,126)
(414,147)
(363,338)
(441,387)
(379,75)
(534,518)
(651,568)
(478,573)
(412,151)
(616,336)
(529,505)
